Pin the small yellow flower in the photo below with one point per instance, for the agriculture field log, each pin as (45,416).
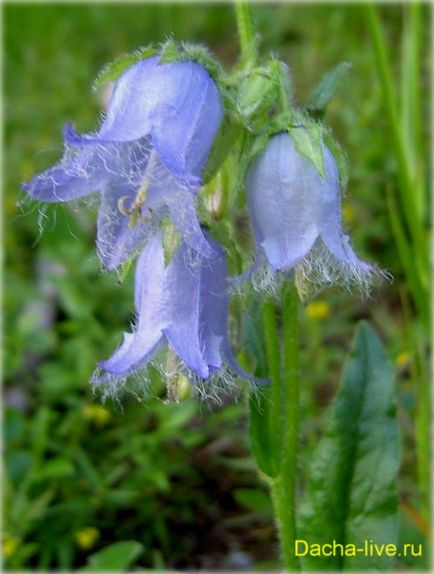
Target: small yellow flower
(10,545)
(95,413)
(403,359)
(87,537)
(348,213)
(318,310)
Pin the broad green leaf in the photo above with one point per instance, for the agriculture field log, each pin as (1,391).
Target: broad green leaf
(115,558)
(308,141)
(352,485)
(326,89)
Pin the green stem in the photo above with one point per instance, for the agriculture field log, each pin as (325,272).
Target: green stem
(283,422)
(273,360)
(284,485)
(246,33)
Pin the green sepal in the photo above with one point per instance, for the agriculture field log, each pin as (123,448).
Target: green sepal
(308,141)
(323,93)
(173,51)
(281,70)
(171,240)
(113,70)
(125,269)
(256,92)
(341,158)
(223,143)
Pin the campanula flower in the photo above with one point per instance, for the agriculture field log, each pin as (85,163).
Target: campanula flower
(146,158)
(181,304)
(296,216)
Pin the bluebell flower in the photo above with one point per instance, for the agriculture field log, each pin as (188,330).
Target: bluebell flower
(182,304)
(146,158)
(296,216)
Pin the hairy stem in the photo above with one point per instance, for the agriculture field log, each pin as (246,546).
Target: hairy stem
(246,33)
(283,487)
(269,319)
(283,367)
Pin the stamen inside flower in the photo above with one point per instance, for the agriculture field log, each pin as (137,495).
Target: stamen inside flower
(135,211)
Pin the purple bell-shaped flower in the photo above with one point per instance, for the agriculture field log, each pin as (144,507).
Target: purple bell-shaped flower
(183,304)
(296,216)
(145,160)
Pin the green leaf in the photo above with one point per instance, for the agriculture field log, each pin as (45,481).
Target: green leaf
(39,431)
(113,70)
(254,499)
(308,141)
(53,469)
(259,402)
(14,425)
(352,486)
(18,465)
(259,429)
(115,558)
(323,93)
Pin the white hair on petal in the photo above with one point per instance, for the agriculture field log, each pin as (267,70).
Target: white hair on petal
(224,384)
(320,268)
(263,279)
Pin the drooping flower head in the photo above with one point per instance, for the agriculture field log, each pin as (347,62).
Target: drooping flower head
(146,158)
(181,304)
(296,216)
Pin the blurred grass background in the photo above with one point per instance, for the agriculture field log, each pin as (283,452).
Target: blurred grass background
(177,480)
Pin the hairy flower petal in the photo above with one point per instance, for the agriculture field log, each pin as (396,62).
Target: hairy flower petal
(152,308)
(185,302)
(176,103)
(146,159)
(296,216)
(283,193)
(117,240)
(75,176)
